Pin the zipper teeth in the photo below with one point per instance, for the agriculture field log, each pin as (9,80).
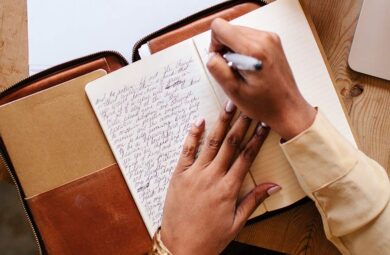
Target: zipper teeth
(49,70)
(146,38)
(22,202)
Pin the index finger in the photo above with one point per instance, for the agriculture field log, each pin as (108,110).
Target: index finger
(225,35)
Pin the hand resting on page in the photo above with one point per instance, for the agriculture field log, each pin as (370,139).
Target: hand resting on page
(202,213)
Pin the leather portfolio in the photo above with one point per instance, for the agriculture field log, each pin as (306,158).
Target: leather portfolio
(70,186)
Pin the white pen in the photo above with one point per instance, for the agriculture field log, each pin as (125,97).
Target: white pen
(242,62)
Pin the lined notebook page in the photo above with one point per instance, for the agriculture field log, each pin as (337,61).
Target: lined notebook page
(145,111)
(287,18)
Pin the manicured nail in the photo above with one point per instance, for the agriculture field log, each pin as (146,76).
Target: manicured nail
(230,106)
(211,55)
(259,129)
(199,122)
(264,124)
(273,190)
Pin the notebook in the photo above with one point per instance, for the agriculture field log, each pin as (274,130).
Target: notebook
(146,108)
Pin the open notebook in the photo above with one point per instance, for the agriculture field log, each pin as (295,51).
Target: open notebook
(145,109)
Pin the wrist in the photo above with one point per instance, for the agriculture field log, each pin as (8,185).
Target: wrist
(183,247)
(159,247)
(294,120)
(173,245)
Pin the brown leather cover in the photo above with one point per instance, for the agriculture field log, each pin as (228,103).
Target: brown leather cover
(197,27)
(92,215)
(108,63)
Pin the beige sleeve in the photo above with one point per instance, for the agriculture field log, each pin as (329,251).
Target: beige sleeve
(350,190)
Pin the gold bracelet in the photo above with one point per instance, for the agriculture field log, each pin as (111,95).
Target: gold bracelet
(158,246)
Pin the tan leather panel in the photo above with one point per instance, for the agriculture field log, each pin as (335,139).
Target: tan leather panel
(109,64)
(197,27)
(92,215)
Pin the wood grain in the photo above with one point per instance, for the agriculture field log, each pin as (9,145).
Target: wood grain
(367,101)
(13,41)
(13,48)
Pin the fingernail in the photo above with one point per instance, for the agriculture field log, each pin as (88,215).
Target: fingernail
(273,190)
(211,55)
(244,116)
(264,124)
(259,129)
(230,106)
(199,122)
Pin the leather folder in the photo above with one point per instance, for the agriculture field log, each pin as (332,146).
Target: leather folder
(88,211)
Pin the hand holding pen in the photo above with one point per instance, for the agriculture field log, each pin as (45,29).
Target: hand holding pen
(258,78)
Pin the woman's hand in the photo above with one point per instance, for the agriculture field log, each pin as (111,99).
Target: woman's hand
(202,213)
(271,94)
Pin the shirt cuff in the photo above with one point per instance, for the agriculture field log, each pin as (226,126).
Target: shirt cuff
(319,155)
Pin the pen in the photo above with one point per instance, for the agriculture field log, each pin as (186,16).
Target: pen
(242,62)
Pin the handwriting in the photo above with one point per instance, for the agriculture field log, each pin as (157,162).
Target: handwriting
(146,121)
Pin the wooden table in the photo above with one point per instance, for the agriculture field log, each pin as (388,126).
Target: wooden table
(367,100)
(13,48)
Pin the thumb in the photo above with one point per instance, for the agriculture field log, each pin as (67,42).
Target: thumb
(251,201)
(224,75)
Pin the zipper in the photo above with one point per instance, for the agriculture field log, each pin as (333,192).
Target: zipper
(36,238)
(51,70)
(186,20)
(25,82)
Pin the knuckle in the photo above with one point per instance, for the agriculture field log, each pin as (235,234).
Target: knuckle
(233,140)
(231,193)
(232,89)
(249,154)
(272,37)
(244,117)
(182,180)
(231,186)
(257,50)
(227,194)
(216,24)
(194,133)
(259,196)
(188,151)
(213,143)
(212,65)
(248,49)
(225,117)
